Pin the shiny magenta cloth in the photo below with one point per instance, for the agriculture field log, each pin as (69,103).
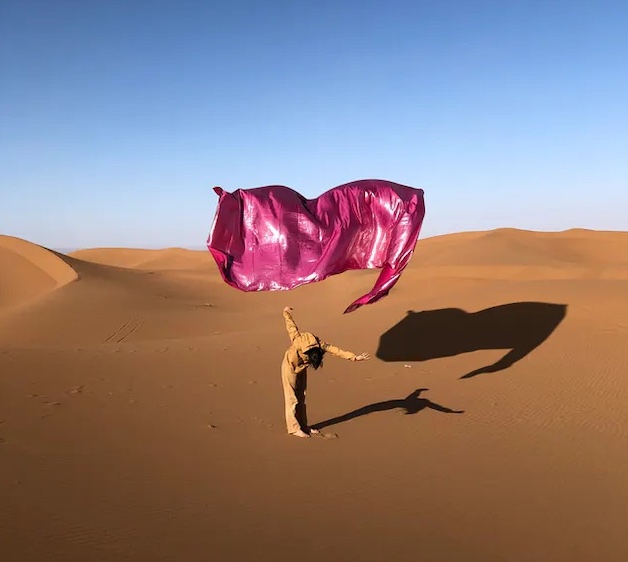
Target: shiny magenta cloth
(272,238)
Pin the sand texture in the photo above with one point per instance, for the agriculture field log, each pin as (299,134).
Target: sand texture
(141,414)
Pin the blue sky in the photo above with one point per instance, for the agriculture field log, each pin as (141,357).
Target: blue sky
(117,117)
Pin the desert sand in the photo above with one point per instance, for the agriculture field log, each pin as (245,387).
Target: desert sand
(141,414)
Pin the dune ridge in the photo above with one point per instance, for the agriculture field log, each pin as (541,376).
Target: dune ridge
(29,272)
(524,255)
(500,247)
(160,259)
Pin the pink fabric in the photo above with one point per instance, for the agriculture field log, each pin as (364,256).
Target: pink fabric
(272,238)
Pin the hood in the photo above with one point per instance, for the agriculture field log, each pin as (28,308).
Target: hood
(308,341)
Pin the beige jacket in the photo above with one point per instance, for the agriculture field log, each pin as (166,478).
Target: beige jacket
(302,341)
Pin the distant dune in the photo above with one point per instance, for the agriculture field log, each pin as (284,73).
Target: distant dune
(520,254)
(166,259)
(28,271)
(466,251)
(522,247)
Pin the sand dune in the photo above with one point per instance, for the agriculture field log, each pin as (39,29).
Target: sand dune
(141,415)
(518,254)
(29,271)
(579,249)
(168,259)
(520,247)
(112,302)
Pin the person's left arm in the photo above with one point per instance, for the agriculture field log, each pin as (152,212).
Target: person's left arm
(329,348)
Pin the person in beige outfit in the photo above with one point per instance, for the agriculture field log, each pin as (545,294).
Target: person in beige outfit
(306,350)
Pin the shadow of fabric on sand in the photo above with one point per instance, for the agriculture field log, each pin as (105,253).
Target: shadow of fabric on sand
(434,334)
(412,404)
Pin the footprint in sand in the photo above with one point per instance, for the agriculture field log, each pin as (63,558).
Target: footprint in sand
(76,390)
(326,435)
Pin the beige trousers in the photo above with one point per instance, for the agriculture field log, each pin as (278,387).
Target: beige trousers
(294,388)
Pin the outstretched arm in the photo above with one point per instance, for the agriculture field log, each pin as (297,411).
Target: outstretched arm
(329,348)
(293,331)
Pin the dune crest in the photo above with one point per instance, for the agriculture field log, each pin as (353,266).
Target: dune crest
(29,271)
(132,258)
(509,253)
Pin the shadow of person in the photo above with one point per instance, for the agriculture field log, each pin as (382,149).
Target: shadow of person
(411,404)
(520,327)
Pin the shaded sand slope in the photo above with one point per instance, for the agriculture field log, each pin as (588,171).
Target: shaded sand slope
(111,304)
(166,441)
(28,271)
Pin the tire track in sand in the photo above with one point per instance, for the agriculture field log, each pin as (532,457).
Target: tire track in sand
(124,331)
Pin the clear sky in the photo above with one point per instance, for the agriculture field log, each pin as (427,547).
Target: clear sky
(117,117)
